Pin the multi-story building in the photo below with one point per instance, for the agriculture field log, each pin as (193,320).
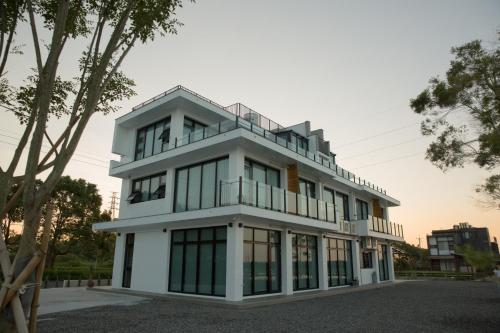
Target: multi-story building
(223,202)
(442,245)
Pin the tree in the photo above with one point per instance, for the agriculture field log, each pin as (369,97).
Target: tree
(108,30)
(410,257)
(77,205)
(480,261)
(471,90)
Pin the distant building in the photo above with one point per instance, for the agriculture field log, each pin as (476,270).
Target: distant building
(494,247)
(443,243)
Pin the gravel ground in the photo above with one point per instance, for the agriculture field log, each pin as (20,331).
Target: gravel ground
(418,306)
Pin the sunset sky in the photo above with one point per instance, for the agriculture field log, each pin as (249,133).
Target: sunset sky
(350,67)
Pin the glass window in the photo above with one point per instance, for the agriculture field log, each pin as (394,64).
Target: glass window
(261,261)
(304,262)
(194,188)
(148,188)
(191,126)
(361,209)
(262,173)
(342,203)
(197,186)
(307,188)
(328,195)
(198,261)
(152,139)
(367,260)
(383,268)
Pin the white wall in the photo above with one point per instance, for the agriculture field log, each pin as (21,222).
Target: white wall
(118,261)
(149,266)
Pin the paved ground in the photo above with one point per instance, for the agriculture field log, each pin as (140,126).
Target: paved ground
(419,306)
(64,299)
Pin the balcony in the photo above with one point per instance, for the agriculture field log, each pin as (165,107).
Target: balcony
(378,227)
(251,193)
(230,125)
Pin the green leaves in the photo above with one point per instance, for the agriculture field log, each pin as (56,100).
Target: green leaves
(471,93)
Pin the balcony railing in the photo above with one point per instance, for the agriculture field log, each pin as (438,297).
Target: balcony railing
(229,125)
(256,123)
(248,192)
(383,226)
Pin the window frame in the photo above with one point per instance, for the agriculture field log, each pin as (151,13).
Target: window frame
(364,205)
(295,277)
(349,264)
(135,193)
(266,168)
(165,121)
(308,182)
(200,201)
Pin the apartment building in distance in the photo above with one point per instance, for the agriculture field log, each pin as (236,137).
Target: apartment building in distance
(223,202)
(442,245)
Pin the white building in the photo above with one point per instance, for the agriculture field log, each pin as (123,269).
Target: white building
(223,202)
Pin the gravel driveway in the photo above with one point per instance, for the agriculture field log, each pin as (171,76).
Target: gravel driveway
(418,306)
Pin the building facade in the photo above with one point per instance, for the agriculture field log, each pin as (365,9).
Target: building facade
(223,202)
(442,245)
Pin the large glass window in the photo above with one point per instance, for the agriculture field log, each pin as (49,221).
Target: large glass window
(304,261)
(127,264)
(339,262)
(342,202)
(198,261)
(361,209)
(152,139)
(307,188)
(262,173)
(191,126)
(383,268)
(148,188)
(328,195)
(196,186)
(261,261)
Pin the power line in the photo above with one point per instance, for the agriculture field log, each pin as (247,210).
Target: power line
(81,152)
(72,159)
(383,148)
(387,161)
(376,135)
(47,146)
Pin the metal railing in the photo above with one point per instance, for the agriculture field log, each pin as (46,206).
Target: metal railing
(378,224)
(229,125)
(252,193)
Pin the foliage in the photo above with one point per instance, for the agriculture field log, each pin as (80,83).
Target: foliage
(480,261)
(409,257)
(470,91)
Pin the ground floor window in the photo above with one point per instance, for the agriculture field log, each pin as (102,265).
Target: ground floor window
(305,262)
(198,261)
(127,262)
(383,268)
(339,262)
(261,261)
(367,259)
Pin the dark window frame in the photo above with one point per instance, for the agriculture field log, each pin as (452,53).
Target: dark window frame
(134,193)
(295,277)
(345,205)
(308,182)
(193,127)
(214,241)
(145,129)
(364,209)
(128,255)
(367,259)
(266,168)
(349,265)
(383,262)
(270,245)
(187,167)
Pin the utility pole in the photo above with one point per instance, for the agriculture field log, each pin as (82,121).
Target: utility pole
(114,202)
(419,241)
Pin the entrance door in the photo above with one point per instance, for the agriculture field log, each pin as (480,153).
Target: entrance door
(383,268)
(127,265)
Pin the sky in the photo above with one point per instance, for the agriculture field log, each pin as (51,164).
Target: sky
(349,67)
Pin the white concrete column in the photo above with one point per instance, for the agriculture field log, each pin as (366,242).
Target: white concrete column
(322,265)
(356,260)
(118,260)
(236,164)
(169,189)
(390,263)
(234,263)
(375,263)
(176,127)
(286,263)
(319,195)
